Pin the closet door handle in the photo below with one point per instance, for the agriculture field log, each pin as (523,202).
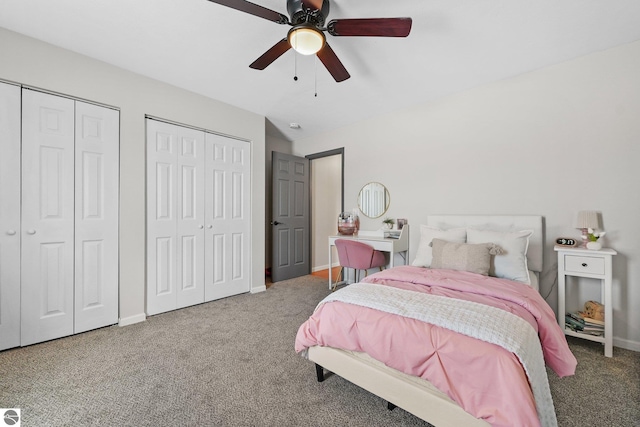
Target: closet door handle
(201,226)
(31,231)
(209,226)
(11,232)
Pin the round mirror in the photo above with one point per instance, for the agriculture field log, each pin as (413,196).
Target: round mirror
(373,200)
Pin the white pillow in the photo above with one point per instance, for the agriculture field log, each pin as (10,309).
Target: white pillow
(512,263)
(424,254)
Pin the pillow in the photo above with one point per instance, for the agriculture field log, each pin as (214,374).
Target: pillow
(427,234)
(474,258)
(512,263)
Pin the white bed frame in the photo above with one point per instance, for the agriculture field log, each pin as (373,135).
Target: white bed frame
(410,393)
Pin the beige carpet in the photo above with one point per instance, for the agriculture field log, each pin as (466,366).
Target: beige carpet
(231,363)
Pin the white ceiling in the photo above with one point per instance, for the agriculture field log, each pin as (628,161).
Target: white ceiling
(206,48)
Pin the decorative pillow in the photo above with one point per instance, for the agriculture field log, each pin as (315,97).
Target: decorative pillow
(474,258)
(512,263)
(427,234)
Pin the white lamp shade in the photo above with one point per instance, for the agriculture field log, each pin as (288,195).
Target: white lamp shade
(588,219)
(306,40)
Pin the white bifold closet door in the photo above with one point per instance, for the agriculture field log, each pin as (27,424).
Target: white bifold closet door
(197,216)
(9,216)
(175,217)
(227,213)
(69,256)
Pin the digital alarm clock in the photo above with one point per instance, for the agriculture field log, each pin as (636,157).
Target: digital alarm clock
(565,241)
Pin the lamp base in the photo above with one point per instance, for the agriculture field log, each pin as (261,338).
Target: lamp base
(585,237)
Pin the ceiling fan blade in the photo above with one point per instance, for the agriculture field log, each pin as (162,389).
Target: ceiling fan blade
(254,9)
(313,4)
(271,55)
(374,27)
(332,63)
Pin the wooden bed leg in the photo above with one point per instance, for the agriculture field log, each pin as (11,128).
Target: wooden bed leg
(319,373)
(391,406)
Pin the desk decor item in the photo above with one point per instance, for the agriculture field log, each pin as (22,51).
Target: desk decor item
(388,223)
(348,223)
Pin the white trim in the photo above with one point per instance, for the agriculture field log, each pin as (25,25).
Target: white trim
(172,122)
(126,321)
(626,344)
(262,288)
(320,268)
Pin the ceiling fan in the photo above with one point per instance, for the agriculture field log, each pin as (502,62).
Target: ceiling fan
(307,19)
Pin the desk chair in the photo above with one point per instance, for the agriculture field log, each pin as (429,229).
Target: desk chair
(359,256)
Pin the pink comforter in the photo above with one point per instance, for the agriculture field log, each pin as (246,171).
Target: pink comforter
(484,379)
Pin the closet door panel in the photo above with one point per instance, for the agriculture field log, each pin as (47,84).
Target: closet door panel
(9,216)
(96,216)
(162,187)
(190,221)
(228,201)
(47,217)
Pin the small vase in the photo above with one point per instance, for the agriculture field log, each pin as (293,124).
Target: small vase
(594,246)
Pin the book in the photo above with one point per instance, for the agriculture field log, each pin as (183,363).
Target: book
(573,323)
(594,333)
(575,326)
(570,318)
(580,317)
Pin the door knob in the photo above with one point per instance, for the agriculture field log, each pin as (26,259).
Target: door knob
(209,226)
(201,226)
(31,231)
(11,232)
(276,223)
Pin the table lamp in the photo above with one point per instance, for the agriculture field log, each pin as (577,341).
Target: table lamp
(587,220)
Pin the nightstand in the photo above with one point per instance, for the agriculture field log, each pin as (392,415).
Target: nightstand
(582,262)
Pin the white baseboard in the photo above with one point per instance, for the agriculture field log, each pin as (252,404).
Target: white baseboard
(126,321)
(258,289)
(324,267)
(626,344)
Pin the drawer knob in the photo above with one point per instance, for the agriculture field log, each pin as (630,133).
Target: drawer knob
(584,264)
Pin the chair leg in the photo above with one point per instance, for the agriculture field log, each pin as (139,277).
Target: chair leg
(335,284)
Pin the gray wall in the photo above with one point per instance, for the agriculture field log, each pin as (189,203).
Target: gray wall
(552,142)
(34,63)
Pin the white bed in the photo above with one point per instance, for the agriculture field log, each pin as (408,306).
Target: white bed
(414,394)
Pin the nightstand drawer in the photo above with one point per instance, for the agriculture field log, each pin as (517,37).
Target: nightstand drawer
(584,264)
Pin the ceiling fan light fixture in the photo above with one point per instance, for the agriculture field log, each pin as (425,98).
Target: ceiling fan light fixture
(306,40)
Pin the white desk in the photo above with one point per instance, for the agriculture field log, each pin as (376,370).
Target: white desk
(393,246)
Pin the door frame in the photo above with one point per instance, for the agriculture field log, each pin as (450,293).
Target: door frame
(320,155)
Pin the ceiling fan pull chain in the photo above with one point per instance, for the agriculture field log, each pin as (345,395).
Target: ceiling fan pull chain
(295,67)
(315,76)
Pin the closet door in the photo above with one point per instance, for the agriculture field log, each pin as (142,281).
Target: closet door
(9,216)
(175,217)
(190,217)
(47,217)
(161,217)
(227,217)
(96,216)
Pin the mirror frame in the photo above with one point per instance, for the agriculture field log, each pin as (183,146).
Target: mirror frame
(387,198)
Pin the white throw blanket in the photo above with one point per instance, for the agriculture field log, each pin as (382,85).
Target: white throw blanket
(476,320)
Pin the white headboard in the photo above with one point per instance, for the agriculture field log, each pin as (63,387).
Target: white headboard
(500,223)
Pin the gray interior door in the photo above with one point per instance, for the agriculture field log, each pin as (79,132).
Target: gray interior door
(290,223)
